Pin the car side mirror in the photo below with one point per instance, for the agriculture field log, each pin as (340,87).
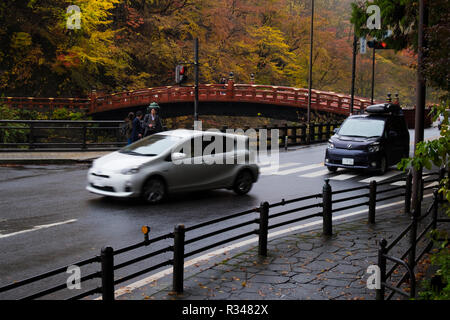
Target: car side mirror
(335,130)
(178,156)
(393,134)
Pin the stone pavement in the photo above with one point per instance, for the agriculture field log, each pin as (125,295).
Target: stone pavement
(48,157)
(300,266)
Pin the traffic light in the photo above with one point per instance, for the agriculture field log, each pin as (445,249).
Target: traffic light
(180,74)
(377,44)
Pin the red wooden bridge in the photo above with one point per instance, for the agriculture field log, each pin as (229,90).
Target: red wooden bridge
(257,95)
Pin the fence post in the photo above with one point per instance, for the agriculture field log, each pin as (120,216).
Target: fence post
(263,228)
(413,241)
(327,209)
(178,258)
(382,266)
(372,201)
(84,135)
(107,263)
(294,133)
(435,208)
(31,141)
(441,177)
(408,192)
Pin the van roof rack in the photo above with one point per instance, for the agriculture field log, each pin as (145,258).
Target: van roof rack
(391,108)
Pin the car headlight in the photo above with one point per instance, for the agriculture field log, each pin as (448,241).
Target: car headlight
(130,171)
(330,145)
(375,147)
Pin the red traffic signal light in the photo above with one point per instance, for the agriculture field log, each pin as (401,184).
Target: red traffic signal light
(180,74)
(377,44)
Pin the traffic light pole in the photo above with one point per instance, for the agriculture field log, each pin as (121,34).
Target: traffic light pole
(373,75)
(352,101)
(420,107)
(310,72)
(196,79)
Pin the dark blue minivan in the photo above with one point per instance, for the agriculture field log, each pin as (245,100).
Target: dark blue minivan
(371,141)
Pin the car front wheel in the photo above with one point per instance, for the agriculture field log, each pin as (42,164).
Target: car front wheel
(383,166)
(243,182)
(154,191)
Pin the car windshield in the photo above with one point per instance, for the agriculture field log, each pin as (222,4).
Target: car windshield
(151,146)
(362,127)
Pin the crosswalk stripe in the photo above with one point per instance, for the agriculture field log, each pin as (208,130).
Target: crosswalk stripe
(381,178)
(435,183)
(270,170)
(300,169)
(315,174)
(343,176)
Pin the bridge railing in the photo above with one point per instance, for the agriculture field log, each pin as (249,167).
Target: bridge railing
(265,94)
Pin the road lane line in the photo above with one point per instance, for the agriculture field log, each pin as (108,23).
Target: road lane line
(315,174)
(381,178)
(168,271)
(44,226)
(300,169)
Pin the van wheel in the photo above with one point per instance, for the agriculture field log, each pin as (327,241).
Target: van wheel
(332,169)
(243,182)
(154,191)
(383,166)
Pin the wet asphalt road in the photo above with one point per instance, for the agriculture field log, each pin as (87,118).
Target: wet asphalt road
(41,195)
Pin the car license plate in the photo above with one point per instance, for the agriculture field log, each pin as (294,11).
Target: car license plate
(347,161)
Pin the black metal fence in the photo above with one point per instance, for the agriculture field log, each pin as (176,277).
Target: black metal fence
(64,135)
(55,135)
(183,243)
(410,257)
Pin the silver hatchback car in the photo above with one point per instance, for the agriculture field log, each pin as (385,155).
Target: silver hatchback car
(175,161)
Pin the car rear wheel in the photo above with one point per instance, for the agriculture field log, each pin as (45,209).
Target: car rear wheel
(243,182)
(154,191)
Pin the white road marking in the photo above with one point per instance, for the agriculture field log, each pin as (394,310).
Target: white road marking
(300,169)
(435,183)
(381,178)
(315,174)
(343,176)
(268,170)
(206,256)
(44,226)
(399,183)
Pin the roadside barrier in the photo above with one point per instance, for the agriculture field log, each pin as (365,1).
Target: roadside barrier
(183,242)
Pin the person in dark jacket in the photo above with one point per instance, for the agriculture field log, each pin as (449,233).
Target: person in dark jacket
(128,127)
(152,121)
(136,133)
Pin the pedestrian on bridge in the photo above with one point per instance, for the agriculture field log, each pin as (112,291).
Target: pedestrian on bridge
(152,121)
(127,128)
(136,133)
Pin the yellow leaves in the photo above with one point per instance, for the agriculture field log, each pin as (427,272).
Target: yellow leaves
(20,40)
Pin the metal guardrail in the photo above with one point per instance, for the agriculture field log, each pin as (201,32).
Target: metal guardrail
(66,135)
(182,248)
(59,135)
(409,258)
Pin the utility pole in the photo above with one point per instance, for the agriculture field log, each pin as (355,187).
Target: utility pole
(420,107)
(352,101)
(373,75)
(196,79)
(311,38)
